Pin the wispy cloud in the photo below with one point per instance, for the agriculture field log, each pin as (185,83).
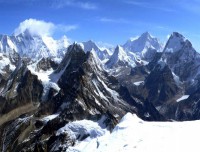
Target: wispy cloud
(42,28)
(57,4)
(112,20)
(74,3)
(104,45)
(150,5)
(65,28)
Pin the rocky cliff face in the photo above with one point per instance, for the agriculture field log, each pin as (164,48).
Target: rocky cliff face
(179,54)
(160,84)
(20,88)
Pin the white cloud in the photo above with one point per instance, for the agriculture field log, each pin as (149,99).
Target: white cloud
(111,20)
(35,27)
(42,28)
(75,3)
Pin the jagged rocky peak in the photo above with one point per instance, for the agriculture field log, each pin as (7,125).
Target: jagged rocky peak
(75,47)
(46,64)
(85,84)
(176,43)
(120,58)
(178,54)
(94,61)
(91,45)
(75,55)
(119,51)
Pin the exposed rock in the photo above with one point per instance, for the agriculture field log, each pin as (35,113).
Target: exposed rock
(21,88)
(46,64)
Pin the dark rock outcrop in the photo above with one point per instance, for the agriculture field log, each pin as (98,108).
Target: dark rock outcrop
(46,64)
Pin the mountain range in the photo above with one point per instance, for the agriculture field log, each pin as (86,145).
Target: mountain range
(51,89)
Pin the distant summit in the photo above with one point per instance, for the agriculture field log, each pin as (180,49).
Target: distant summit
(145,46)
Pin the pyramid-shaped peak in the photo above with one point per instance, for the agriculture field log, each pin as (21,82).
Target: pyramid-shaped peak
(177,42)
(75,47)
(90,41)
(146,34)
(177,35)
(143,43)
(118,47)
(119,50)
(89,45)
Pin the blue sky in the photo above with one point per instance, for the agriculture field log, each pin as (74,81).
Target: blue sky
(104,21)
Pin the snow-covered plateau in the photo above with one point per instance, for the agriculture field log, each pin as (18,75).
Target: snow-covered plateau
(134,134)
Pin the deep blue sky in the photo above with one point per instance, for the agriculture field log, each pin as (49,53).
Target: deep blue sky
(110,21)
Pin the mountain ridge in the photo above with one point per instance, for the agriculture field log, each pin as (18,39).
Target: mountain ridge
(52,98)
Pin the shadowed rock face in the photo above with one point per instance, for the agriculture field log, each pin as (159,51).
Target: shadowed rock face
(87,89)
(160,85)
(21,88)
(189,109)
(21,95)
(46,64)
(180,56)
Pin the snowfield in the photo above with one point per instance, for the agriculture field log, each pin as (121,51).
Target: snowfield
(182,98)
(135,135)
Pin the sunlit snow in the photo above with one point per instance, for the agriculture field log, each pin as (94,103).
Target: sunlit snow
(138,83)
(182,98)
(135,135)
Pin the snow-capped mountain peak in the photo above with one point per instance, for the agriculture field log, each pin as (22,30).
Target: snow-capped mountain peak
(119,57)
(146,35)
(143,45)
(179,54)
(120,53)
(33,46)
(90,45)
(176,42)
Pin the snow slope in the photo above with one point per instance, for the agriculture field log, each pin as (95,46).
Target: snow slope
(5,61)
(45,78)
(134,134)
(182,98)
